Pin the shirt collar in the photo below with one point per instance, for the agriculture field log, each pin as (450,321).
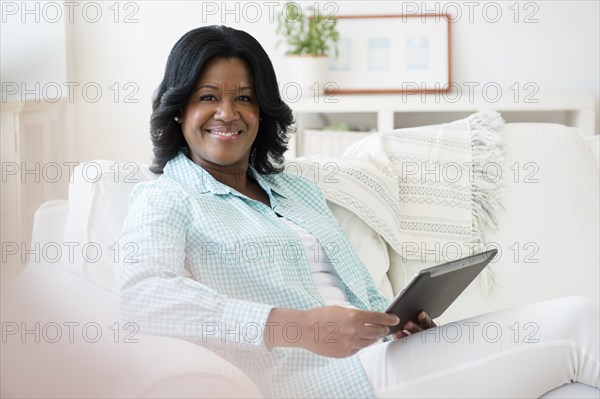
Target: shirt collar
(188,173)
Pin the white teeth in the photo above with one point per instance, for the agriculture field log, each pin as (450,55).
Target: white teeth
(224,134)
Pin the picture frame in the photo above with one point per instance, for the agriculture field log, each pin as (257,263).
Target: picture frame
(391,54)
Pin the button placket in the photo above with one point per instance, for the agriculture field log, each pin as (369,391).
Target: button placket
(304,273)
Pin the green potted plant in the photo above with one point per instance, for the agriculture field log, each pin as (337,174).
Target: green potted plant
(311,37)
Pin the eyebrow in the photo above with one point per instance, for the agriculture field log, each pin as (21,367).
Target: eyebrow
(216,87)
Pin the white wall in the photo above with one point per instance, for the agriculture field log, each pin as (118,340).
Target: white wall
(33,51)
(559,52)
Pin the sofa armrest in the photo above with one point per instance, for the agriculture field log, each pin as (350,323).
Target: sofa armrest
(190,370)
(65,338)
(146,367)
(49,223)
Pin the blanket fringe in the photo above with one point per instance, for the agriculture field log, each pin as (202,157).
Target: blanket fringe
(487,181)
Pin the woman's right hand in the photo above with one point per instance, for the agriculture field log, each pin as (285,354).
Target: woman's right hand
(333,331)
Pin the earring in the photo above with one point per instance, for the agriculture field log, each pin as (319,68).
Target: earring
(177,119)
(260,119)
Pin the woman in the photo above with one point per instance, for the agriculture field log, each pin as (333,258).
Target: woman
(275,285)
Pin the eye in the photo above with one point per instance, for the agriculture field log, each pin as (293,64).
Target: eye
(247,99)
(207,97)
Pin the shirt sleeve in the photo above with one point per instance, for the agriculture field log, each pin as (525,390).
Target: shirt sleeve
(379,302)
(152,290)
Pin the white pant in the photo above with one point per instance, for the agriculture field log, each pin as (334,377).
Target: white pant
(520,352)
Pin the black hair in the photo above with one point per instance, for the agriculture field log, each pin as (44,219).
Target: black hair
(184,65)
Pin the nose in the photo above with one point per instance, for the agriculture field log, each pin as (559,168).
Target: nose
(226,111)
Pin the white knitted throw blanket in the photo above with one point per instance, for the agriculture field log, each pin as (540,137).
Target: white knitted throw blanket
(431,192)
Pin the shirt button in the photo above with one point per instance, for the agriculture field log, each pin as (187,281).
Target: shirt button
(301,220)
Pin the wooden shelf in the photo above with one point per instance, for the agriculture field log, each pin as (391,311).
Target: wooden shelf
(580,109)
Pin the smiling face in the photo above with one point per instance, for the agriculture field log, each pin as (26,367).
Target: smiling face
(220,121)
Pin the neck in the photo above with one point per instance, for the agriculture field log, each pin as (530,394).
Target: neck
(233,176)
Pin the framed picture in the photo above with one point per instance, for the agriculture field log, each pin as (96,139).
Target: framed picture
(391,54)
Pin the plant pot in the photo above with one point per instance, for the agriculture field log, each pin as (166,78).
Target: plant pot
(309,72)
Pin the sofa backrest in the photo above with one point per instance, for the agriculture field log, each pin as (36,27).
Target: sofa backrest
(549,225)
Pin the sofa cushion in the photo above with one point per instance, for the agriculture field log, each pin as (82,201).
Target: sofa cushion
(593,145)
(98,200)
(369,246)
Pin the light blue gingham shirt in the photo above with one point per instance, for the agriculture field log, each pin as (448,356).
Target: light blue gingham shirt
(243,262)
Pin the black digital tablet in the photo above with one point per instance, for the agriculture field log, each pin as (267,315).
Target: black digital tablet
(434,289)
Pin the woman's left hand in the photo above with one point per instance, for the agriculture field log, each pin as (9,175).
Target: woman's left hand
(411,327)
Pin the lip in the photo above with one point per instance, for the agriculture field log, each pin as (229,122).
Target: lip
(222,129)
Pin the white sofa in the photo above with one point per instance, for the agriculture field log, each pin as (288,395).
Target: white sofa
(62,335)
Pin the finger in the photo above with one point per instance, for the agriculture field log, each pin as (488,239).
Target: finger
(374,331)
(412,327)
(385,319)
(376,324)
(402,334)
(370,317)
(425,320)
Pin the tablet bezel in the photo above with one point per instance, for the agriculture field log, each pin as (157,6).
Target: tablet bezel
(461,271)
